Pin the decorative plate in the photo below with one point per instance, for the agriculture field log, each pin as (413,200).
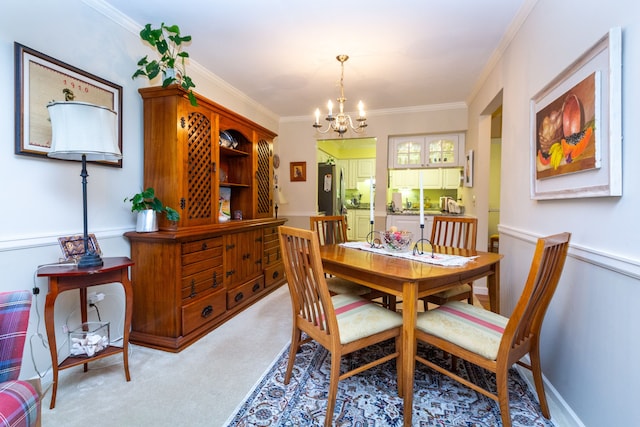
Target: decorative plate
(276,161)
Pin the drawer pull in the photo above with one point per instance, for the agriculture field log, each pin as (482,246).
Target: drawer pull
(193,288)
(231,246)
(207,311)
(231,273)
(256,287)
(215,280)
(239,297)
(275,274)
(204,246)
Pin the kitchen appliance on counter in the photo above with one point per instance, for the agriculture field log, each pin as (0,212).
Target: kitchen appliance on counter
(331,190)
(444,203)
(396,202)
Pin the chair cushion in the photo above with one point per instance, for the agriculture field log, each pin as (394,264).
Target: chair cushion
(338,285)
(461,289)
(19,404)
(359,318)
(470,327)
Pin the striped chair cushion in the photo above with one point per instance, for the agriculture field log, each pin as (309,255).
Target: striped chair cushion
(470,327)
(359,318)
(18,404)
(338,285)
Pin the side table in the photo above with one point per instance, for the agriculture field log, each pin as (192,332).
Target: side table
(68,277)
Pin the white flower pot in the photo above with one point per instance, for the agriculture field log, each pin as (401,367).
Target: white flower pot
(147,221)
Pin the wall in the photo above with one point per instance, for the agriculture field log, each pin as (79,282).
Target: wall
(42,198)
(589,344)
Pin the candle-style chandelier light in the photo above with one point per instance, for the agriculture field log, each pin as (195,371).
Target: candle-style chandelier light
(341,122)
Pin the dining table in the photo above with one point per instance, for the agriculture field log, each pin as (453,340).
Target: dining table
(409,280)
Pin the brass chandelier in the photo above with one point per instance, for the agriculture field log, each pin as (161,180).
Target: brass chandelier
(341,122)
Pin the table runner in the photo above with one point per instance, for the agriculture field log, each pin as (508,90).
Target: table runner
(438,259)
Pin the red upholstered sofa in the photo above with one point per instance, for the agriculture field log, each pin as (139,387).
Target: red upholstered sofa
(19,400)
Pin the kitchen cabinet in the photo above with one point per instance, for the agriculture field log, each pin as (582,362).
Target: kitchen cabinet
(363,224)
(359,170)
(432,179)
(426,151)
(411,223)
(351,224)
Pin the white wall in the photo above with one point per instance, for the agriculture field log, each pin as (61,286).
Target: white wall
(42,198)
(589,343)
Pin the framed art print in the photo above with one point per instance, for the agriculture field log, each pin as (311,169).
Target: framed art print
(576,127)
(298,171)
(41,79)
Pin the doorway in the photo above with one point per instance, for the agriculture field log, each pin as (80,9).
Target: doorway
(494,179)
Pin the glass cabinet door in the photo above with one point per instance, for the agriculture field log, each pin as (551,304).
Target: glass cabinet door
(408,152)
(442,151)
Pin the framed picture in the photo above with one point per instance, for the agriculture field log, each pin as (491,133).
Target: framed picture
(41,79)
(298,171)
(73,246)
(468,169)
(576,127)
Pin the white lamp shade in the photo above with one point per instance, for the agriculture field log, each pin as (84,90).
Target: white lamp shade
(81,128)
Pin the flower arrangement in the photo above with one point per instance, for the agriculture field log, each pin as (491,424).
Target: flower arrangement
(396,241)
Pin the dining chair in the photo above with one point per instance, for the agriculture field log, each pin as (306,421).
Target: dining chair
(456,232)
(342,323)
(333,230)
(495,342)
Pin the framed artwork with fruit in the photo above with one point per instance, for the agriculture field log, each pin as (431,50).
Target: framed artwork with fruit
(576,141)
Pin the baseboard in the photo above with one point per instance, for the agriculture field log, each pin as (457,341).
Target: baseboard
(561,412)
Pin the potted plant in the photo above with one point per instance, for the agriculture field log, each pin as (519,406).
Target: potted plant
(168,42)
(148,205)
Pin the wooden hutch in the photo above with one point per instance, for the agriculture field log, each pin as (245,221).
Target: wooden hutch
(189,280)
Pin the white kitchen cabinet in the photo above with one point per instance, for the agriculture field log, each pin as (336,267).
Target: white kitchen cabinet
(411,223)
(362,224)
(432,179)
(359,170)
(351,224)
(451,178)
(426,151)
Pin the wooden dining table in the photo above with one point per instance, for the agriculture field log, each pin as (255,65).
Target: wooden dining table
(410,280)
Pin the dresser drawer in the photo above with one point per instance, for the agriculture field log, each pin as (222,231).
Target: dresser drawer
(273,274)
(244,292)
(202,281)
(202,310)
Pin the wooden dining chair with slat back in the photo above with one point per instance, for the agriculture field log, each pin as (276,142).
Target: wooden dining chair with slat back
(495,342)
(456,232)
(342,323)
(333,230)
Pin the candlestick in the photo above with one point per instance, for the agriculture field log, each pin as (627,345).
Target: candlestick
(421,202)
(371,200)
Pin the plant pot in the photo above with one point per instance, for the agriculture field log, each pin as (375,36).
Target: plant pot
(147,221)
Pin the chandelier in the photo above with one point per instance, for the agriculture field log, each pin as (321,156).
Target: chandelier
(341,122)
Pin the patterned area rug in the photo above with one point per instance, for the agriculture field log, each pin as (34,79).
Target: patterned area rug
(370,398)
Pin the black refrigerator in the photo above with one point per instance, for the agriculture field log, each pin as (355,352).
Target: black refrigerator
(330,190)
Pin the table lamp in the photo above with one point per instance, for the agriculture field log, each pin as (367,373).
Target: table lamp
(82,131)
(278,199)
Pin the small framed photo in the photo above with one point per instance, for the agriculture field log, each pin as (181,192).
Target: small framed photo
(298,171)
(468,169)
(73,246)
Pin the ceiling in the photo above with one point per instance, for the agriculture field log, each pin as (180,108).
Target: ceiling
(282,53)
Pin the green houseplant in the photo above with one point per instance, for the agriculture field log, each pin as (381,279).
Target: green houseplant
(148,205)
(168,42)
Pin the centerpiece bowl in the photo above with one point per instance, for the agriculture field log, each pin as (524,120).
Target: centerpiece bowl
(396,241)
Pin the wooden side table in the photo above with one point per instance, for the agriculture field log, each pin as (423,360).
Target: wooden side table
(68,277)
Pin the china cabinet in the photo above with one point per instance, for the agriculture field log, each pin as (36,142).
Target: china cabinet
(188,281)
(426,151)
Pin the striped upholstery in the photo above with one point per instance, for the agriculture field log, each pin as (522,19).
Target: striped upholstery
(19,401)
(359,318)
(470,327)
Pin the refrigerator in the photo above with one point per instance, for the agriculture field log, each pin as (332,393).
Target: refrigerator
(331,190)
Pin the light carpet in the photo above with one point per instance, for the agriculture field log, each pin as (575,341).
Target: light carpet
(370,398)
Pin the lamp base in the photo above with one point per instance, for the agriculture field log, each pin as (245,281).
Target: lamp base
(90,259)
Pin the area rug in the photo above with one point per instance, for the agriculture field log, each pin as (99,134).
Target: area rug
(370,398)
